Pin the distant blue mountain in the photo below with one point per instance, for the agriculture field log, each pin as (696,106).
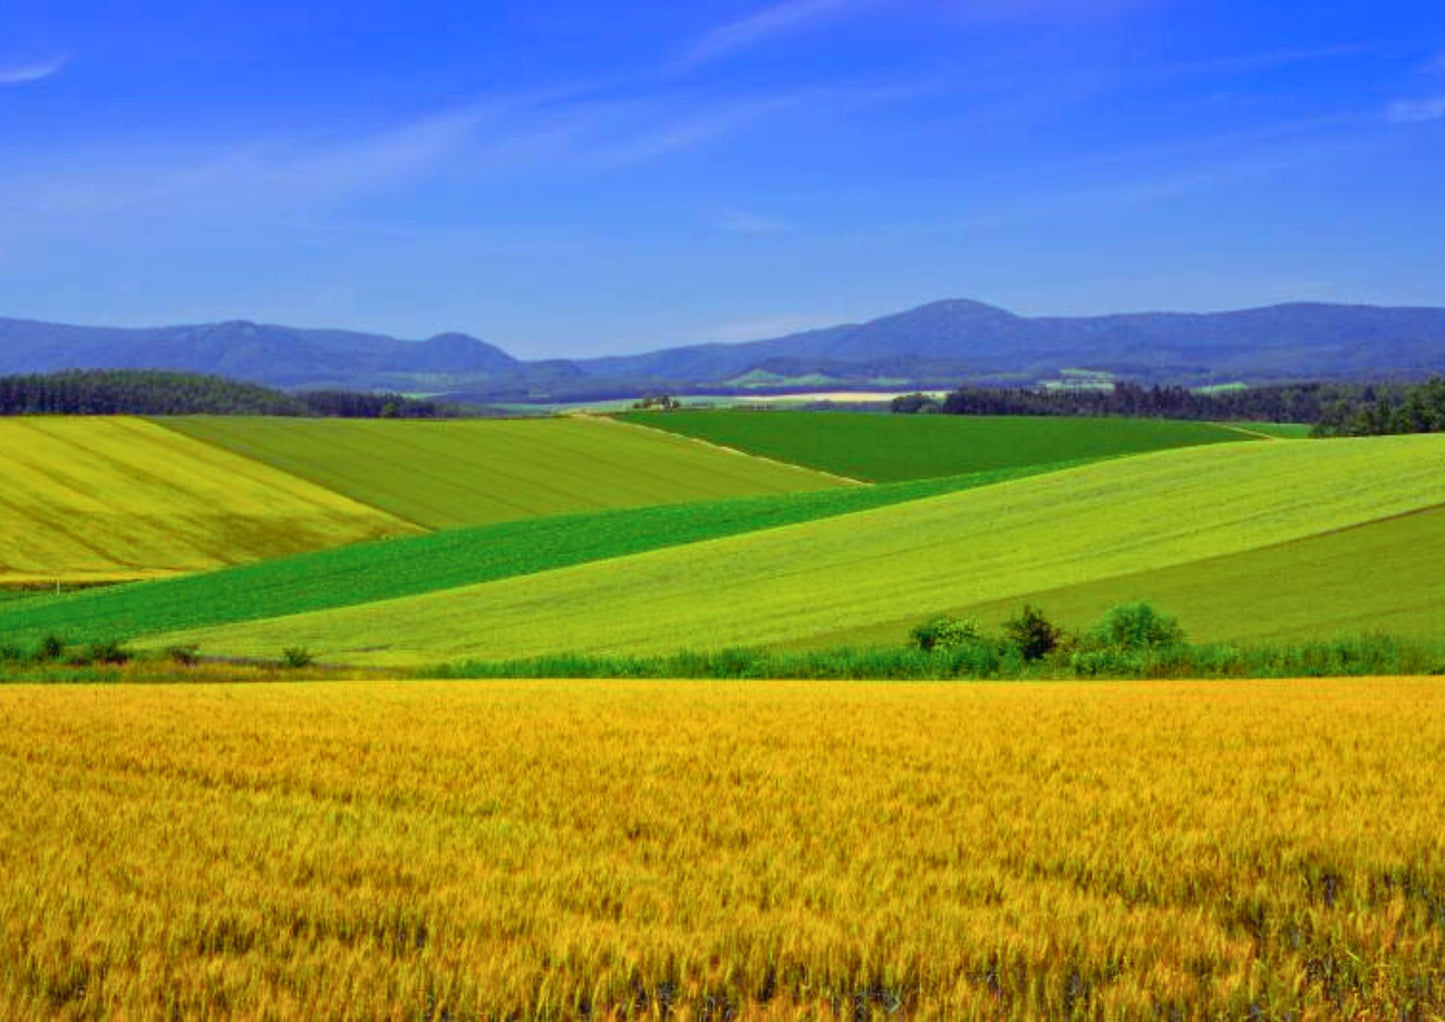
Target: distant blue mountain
(940,344)
(275,355)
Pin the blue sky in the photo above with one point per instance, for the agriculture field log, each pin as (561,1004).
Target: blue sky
(566,178)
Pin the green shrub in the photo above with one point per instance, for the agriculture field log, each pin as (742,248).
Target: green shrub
(108,652)
(51,648)
(296,656)
(1136,626)
(1031,634)
(186,656)
(943,633)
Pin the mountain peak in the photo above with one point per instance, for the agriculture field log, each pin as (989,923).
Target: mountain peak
(962,307)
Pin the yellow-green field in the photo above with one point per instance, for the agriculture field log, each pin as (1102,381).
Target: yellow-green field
(104,499)
(1385,576)
(788,584)
(474,472)
(554,850)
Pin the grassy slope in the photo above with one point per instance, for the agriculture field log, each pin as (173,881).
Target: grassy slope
(1386,575)
(1065,528)
(891,447)
(1277,430)
(94,499)
(450,474)
(458,557)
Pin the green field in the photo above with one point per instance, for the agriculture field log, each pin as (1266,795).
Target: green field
(883,448)
(1383,576)
(473,472)
(787,584)
(458,557)
(1275,430)
(104,499)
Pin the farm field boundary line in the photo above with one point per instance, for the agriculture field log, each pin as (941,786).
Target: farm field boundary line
(109,498)
(456,473)
(442,560)
(634,424)
(1252,433)
(1099,521)
(882,447)
(1382,575)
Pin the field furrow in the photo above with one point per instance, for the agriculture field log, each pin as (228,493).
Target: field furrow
(106,499)
(473,472)
(882,448)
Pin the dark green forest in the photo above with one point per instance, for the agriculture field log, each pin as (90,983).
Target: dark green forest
(159,392)
(1334,409)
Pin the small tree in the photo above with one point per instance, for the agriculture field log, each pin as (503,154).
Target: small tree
(1032,634)
(296,656)
(942,633)
(1137,626)
(52,647)
(186,656)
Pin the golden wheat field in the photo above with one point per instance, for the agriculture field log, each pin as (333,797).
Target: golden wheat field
(711,850)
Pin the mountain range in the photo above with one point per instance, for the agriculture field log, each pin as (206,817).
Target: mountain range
(941,344)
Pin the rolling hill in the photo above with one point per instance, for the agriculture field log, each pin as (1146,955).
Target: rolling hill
(892,447)
(107,499)
(1385,576)
(471,472)
(1070,528)
(367,572)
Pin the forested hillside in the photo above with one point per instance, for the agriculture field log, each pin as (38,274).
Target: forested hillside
(1334,409)
(158,392)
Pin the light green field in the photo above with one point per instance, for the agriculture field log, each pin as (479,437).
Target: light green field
(783,585)
(367,572)
(886,448)
(104,499)
(474,472)
(1384,576)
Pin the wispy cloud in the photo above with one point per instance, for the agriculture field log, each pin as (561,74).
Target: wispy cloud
(1270,60)
(769,22)
(24,73)
(560,133)
(1417,111)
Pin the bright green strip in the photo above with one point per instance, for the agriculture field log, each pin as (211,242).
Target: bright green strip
(1384,576)
(884,448)
(451,474)
(444,560)
(1066,528)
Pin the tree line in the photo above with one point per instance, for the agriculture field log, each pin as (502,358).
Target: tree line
(160,392)
(1334,409)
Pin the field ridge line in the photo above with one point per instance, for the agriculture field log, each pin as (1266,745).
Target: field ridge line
(1248,432)
(723,447)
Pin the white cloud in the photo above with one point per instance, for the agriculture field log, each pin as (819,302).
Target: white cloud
(775,20)
(25,73)
(1417,111)
(558,132)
